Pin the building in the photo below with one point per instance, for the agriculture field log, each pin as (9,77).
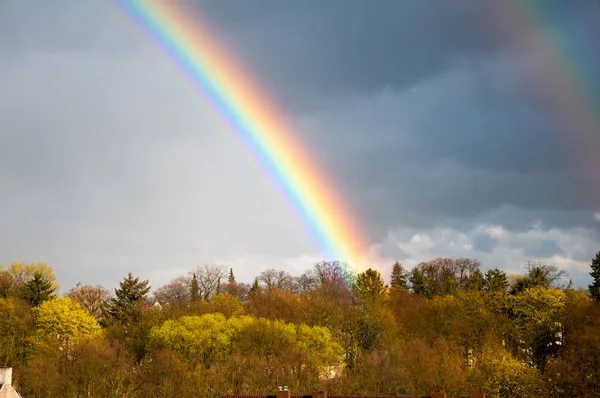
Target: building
(6,388)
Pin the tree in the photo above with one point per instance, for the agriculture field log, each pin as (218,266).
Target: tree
(537,315)
(419,283)
(274,279)
(474,281)
(467,274)
(38,289)
(176,292)
(595,274)
(14,278)
(306,282)
(521,285)
(399,278)
(231,278)
(129,296)
(195,289)
(538,274)
(209,280)
(16,326)
(66,320)
(203,339)
(495,280)
(7,285)
(542,274)
(335,279)
(255,288)
(95,299)
(369,285)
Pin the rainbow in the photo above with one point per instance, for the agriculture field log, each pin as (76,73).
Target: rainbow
(244,107)
(561,76)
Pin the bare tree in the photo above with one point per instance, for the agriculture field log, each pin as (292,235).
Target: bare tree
(334,278)
(274,279)
(209,278)
(176,292)
(465,269)
(306,282)
(93,298)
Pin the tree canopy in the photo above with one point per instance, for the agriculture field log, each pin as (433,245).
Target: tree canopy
(445,324)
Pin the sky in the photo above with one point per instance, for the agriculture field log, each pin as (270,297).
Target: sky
(467,129)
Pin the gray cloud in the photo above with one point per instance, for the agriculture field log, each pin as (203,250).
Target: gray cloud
(429,120)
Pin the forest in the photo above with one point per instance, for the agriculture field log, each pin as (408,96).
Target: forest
(444,325)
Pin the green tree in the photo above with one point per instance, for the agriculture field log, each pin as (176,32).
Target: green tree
(129,296)
(521,285)
(595,274)
(538,277)
(419,283)
(369,285)
(399,278)
(538,274)
(38,289)
(255,288)
(14,278)
(475,281)
(195,289)
(495,280)
(231,278)
(538,316)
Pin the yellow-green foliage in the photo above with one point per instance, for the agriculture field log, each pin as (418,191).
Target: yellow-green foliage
(64,320)
(507,377)
(199,339)
(210,338)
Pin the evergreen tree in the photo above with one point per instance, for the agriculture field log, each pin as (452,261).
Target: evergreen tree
(195,289)
(475,281)
(231,278)
(129,296)
(255,286)
(538,277)
(595,274)
(419,283)
(369,285)
(399,278)
(521,285)
(495,280)
(38,289)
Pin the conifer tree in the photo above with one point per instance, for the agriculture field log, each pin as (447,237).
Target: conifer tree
(255,288)
(419,283)
(399,278)
(38,289)
(369,285)
(495,280)
(595,274)
(129,296)
(231,278)
(195,289)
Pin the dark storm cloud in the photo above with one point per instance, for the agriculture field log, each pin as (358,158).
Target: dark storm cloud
(459,146)
(427,112)
(312,51)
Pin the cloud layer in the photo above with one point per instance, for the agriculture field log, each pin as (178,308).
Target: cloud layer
(429,119)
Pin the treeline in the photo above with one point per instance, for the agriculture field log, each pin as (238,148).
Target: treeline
(444,325)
